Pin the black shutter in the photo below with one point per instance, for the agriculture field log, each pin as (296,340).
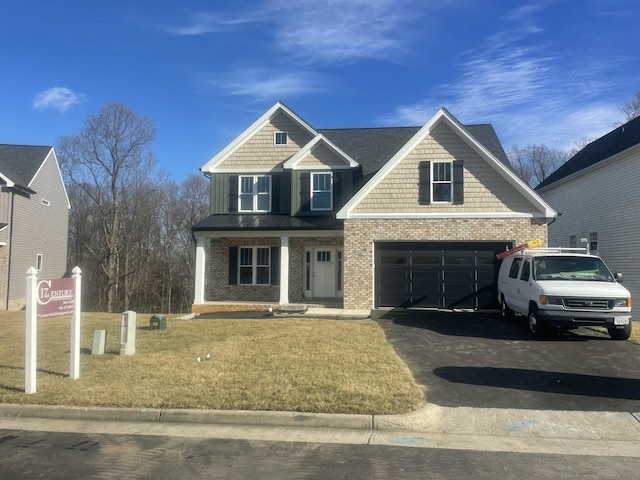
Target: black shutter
(337,190)
(275,265)
(275,192)
(458,182)
(305,191)
(424,185)
(233,265)
(233,194)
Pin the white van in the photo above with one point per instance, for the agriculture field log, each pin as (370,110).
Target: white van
(559,287)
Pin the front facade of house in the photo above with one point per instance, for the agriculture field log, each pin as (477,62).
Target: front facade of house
(379,217)
(596,194)
(34,219)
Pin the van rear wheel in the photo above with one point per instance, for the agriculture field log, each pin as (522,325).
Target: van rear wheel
(505,312)
(620,333)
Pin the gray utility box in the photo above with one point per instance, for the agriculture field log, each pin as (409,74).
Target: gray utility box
(158,322)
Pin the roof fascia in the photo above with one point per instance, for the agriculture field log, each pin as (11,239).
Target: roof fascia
(293,162)
(216,160)
(445,116)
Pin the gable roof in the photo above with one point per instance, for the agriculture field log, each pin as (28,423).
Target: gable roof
(443,116)
(20,163)
(614,142)
(310,146)
(255,127)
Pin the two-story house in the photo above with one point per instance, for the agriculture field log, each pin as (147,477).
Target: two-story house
(367,217)
(595,195)
(34,219)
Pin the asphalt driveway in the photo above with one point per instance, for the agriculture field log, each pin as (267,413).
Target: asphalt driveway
(479,360)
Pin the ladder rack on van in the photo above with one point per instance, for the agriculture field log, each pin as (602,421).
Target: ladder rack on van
(555,250)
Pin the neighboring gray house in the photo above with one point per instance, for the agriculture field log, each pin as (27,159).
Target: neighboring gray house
(34,219)
(596,194)
(364,217)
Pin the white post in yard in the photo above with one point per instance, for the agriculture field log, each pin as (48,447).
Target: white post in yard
(30,353)
(284,270)
(200,271)
(74,360)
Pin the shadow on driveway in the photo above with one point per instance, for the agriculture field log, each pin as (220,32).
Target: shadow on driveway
(478,360)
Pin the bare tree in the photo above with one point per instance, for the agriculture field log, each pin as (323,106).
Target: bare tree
(104,161)
(631,109)
(534,163)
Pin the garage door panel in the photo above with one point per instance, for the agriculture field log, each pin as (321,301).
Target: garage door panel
(437,274)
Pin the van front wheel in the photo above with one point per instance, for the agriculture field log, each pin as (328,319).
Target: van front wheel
(620,333)
(536,327)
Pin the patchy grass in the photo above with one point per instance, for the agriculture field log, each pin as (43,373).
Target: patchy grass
(635,332)
(293,365)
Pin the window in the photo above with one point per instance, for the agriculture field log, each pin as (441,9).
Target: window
(573,243)
(526,270)
(280,138)
(441,182)
(45,202)
(39,262)
(254,266)
(593,242)
(255,193)
(321,191)
(515,267)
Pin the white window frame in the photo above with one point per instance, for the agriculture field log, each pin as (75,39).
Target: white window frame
(254,265)
(280,134)
(254,193)
(314,191)
(45,202)
(435,181)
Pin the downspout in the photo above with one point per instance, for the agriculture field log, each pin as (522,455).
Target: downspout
(13,195)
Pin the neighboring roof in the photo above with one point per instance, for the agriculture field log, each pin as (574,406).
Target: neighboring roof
(614,142)
(267,222)
(20,163)
(443,116)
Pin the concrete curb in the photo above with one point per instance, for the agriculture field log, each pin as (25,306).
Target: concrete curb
(218,417)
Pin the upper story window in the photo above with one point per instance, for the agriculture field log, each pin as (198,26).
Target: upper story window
(321,191)
(441,182)
(280,138)
(254,193)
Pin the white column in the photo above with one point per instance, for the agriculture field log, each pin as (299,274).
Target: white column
(284,270)
(201,258)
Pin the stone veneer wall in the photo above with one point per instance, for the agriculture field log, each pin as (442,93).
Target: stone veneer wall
(359,235)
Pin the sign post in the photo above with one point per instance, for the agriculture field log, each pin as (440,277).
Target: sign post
(46,299)
(31,333)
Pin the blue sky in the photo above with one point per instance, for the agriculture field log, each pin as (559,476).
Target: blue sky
(548,72)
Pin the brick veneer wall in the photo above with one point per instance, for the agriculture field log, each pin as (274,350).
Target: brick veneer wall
(359,235)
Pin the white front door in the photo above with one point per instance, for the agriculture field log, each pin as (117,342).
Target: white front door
(324,272)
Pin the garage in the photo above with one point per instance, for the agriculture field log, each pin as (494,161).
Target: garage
(453,274)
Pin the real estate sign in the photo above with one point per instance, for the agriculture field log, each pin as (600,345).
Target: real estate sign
(55,297)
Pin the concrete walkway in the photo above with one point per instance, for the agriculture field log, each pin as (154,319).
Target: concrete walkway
(481,429)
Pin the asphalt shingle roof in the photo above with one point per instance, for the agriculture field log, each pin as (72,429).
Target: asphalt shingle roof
(268,222)
(20,163)
(614,142)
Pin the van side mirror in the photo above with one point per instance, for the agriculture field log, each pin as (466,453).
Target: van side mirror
(618,277)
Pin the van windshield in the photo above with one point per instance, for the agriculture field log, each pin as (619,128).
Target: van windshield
(571,268)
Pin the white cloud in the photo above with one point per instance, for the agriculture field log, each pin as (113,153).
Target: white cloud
(267,85)
(208,22)
(58,98)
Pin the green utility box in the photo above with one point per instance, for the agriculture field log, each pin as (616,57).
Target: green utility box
(158,322)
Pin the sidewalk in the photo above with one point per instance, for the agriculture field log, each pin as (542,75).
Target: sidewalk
(484,429)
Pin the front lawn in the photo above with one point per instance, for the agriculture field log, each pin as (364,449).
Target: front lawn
(268,364)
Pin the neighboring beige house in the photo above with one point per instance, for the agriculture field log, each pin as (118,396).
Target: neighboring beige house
(596,194)
(366,217)
(34,219)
